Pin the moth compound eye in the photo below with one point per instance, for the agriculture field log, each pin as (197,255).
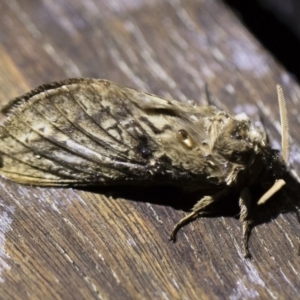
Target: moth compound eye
(184,138)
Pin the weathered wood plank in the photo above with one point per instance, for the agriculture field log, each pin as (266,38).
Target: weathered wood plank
(75,244)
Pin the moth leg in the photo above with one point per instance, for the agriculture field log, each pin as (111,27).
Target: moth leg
(197,211)
(245,204)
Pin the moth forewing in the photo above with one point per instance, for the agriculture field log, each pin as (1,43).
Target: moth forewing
(94,132)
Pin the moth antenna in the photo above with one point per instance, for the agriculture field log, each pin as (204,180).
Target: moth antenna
(284,124)
(278,184)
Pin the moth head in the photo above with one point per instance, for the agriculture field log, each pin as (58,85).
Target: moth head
(254,134)
(279,183)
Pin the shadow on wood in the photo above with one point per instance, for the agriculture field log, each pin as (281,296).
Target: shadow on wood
(285,201)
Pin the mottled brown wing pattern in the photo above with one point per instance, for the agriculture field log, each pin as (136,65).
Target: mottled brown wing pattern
(86,132)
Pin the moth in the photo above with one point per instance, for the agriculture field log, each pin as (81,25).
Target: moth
(91,132)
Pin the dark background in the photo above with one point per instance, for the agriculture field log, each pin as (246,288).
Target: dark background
(276,24)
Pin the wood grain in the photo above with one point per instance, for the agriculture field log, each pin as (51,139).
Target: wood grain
(113,243)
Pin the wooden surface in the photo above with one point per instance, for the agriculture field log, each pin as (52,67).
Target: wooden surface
(113,244)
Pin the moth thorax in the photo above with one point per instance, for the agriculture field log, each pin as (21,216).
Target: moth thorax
(184,138)
(256,135)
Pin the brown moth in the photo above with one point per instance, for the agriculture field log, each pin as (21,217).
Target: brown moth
(83,132)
